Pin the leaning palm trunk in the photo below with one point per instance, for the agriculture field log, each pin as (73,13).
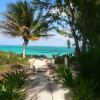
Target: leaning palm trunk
(24,51)
(25,45)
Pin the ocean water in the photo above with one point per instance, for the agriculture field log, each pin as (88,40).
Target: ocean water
(37,50)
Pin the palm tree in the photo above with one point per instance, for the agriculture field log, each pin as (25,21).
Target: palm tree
(21,20)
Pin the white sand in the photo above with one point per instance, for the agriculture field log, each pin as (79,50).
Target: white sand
(39,63)
(42,88)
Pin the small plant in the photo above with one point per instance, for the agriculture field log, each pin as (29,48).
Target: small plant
(83,89)
(15,79)
(64,74)
(12,84)
(8,94)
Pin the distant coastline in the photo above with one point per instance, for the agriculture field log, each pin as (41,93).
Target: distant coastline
(37,50)
(36,46)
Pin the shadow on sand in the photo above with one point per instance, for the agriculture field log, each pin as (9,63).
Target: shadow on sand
(37,84)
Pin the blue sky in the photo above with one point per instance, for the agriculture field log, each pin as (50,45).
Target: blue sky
(57,40)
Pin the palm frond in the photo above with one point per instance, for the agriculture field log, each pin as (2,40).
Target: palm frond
(20,20)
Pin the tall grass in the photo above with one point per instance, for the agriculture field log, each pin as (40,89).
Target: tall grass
(9,58)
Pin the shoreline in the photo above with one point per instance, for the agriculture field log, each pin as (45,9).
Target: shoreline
(35,46)
(37,55)
(37,50)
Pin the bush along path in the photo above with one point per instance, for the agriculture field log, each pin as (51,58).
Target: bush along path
(12,85)
(41,87)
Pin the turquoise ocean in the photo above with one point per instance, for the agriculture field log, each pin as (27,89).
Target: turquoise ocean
(37,50)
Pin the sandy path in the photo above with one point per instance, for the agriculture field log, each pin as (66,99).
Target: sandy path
(40,87)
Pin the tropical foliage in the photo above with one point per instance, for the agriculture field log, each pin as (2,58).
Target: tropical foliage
(65,75)
(12,85)
(84,89)
(74,17)
(24,19)
(81,19)
(10,58)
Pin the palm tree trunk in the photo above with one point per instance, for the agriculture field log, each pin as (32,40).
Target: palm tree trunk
(24,51)
(25,45)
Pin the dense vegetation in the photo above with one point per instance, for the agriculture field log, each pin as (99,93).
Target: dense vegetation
(10,58)
(10,61)
(12,76)
(11,87)
(82,18)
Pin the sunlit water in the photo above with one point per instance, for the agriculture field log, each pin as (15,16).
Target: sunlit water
(38,50)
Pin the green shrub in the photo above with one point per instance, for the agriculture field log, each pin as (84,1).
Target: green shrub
(89,65)
(15,79)
(84,89)
(12,84)
(15,67)
(9,94)
(72,60)
(59,60)
(9,58)
(64,74)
